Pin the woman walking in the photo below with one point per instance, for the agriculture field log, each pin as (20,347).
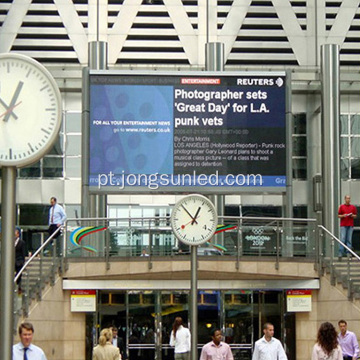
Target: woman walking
(180,339)
(106,350)
(327,346)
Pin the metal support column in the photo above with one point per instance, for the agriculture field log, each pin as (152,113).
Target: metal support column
(330,130)
(97,59)
(194,304)
(214,54)
(158,326)
(8,191)
(85,136)
(287,247)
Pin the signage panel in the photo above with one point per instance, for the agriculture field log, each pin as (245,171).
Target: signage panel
(195,131)
(83,300)
(298,300)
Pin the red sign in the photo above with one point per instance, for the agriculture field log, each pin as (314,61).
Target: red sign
(194,81)
(298,292)
(83,292)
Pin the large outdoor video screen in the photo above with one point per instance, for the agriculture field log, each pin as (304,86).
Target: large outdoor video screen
(187,132)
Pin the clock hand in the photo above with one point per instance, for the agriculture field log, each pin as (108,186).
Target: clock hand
(193,219)
(3,103)
(10,109)
(196,216)
(13,100)
(190,222)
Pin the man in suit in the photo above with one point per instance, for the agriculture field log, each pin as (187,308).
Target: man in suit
(118,342)
(57,217)
(19,255)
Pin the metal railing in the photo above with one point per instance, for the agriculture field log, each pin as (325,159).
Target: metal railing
(345,270)
(110,238)
(244,237)
(39,269)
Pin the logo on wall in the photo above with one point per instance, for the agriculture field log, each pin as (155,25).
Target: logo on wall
(79,233)
(279,82)
(258,239)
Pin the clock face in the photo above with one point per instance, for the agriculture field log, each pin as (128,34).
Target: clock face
(194,219)
(30,110)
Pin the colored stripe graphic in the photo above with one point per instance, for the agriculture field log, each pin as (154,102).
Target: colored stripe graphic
(222,228)
(78,234)
(219,229)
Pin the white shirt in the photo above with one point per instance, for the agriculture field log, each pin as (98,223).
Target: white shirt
(182,340)
(319,354)
(57,215)
(268,350)
(33,352)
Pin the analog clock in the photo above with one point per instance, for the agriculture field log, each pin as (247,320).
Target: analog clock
(30,110)
(194,219)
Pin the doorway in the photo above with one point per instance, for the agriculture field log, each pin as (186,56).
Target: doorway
(144,319)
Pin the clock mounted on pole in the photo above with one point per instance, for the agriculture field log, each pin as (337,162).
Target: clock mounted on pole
(30,119)
(194,221)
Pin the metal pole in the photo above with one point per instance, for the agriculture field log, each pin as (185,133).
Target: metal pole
(193,304)
(8,191)
(287,247)
(85,136)
(214,54)
(97,59)
(330,123)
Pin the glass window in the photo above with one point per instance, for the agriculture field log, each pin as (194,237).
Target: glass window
(300,212)
(344,124)
(299,169)
(299,123)
(344,168)
(350,146)
(73,211)
(32,171)
(57,149)
(73,122)
(355,147)
(355,168)
(299,146)
(261,211)
(355,124)
(31,215)
(73,167)
(344,141)
(73,145)
(52,167)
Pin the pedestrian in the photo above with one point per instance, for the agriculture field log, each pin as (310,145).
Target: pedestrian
(346,213)
(106,350)
(180,339)
(348,342)
(144,253)
(25,350)
(118,342)
(216,349)
(57,217)
(19,256)
(268,347)
(327,346)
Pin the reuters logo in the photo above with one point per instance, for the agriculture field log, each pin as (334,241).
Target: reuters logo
(279,82)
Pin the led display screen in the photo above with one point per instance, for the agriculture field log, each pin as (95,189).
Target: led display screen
(207,132)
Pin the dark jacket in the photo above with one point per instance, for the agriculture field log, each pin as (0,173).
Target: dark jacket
(20,253)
